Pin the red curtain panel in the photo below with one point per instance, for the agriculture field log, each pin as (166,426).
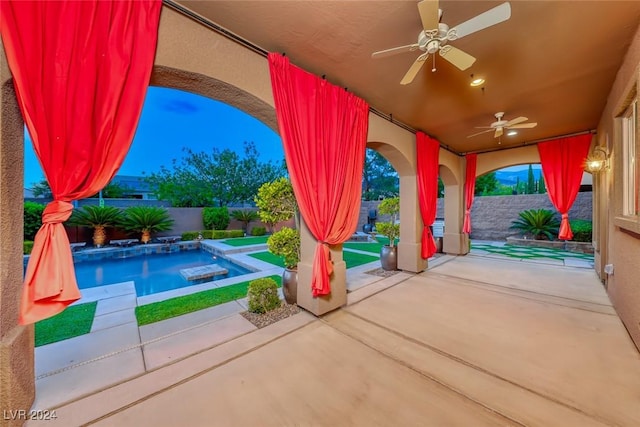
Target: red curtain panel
(469,189)
(81,71)
(324,130)
(428,155)
(562,165)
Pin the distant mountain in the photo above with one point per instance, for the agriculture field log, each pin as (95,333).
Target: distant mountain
(507,177)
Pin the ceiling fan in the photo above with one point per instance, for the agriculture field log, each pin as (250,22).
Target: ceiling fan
(500,125)
(436,35)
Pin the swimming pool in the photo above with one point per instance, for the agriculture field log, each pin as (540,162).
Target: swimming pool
(151,273)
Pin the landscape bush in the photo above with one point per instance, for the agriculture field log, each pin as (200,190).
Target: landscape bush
(235,233)
(219,234)
(32,219)
(262,295)
(190,235)
(27,247)
(207,234)
(258,231)
(582,230)
(215,218)
(539,223)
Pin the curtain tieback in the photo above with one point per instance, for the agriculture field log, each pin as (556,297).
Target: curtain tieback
(565,216)
(467,211)
(57,212)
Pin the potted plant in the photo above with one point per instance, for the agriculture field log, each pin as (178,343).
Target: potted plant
(391,229)
(146,220)
(98,218)
(285,243)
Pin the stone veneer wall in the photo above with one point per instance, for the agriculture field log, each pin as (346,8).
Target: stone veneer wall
(491,216)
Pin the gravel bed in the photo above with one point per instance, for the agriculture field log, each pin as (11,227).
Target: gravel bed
(382,273)
(262,320)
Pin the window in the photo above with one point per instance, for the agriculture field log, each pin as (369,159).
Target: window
(631,186)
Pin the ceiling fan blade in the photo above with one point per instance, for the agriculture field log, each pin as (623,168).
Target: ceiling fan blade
(484,127)
(413,70)
(498,133)
(394,51)
(480,133)
(457,57)
(516,121)
(523,126)
(491,17)
(429,14)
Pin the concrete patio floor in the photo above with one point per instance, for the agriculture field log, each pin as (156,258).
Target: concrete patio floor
(473,341)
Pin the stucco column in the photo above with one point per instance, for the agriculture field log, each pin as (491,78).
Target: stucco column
(17,382)
(338,296)
(409,247)
(454,241)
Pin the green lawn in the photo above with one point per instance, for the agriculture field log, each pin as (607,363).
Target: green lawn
(161,310)
(351,258)
(246,241)
(364,246)
(74,321)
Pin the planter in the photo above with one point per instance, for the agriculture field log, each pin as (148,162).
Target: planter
(389,258)
(568,245)
(290,285)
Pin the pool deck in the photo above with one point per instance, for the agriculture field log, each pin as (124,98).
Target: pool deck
(71,371)
(473,341)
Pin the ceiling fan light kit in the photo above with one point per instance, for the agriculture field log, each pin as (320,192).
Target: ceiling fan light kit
(500,125)
(435,36)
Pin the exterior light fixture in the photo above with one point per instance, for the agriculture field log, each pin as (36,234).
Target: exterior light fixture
(512,132)
(597,161)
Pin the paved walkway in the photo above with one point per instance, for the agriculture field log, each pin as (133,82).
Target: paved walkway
(533,254)
(473,341)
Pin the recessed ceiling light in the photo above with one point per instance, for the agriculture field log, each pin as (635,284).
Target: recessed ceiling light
(512,132)
(476,82)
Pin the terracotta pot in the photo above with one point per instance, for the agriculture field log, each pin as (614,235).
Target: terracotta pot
(389,258)
(290,285)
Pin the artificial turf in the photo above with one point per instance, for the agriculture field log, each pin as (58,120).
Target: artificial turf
(161,310)
(74,321)
(352,259)
(246,241)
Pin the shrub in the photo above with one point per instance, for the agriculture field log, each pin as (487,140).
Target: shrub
(245,217)
(215,218)
(32,219)
(582,230)
(286,244)
(391,229)
(219,234)
(235,233)
(258,231)
(262,295)
(27,246)
(190,235)
(276,202)
(540,223)
(207,234)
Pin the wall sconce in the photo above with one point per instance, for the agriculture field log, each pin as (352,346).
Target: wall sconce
(597,161)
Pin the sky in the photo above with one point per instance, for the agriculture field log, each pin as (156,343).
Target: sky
(172,119)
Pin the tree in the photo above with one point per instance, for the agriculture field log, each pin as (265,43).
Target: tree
(440,188)
(220,177)
(379,178)
(276,202)
(486,184)
(541,185)
(41,189)
(531,181)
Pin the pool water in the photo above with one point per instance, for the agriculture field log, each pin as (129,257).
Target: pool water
(151,273)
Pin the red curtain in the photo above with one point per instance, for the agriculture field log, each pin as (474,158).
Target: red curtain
(324,130)
(562,165)
(469,189)
(81,71)
(428,155)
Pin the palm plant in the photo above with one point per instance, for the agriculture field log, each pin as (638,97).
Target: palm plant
(98,218)
(146,220)
(245,217)
(540,223)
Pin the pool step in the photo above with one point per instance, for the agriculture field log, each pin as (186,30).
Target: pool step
(203,272)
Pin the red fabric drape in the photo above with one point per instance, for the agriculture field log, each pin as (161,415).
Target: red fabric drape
(324,130)
(81,71)
(562,165)
(428,155)
(469,190)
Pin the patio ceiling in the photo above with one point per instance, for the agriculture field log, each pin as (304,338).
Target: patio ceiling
(552,61)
